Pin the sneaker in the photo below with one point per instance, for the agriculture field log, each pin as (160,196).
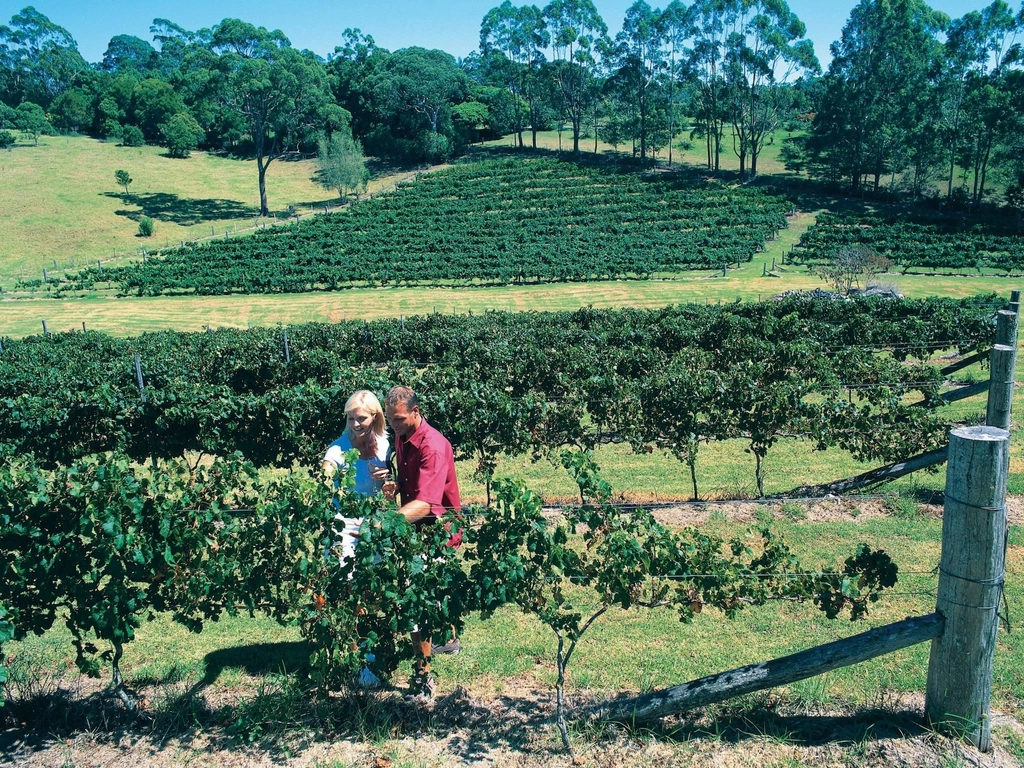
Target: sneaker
(368,681)
(421,690)
(452,647)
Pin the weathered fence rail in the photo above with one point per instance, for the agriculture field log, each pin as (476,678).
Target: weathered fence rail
(962,630)
(769,674)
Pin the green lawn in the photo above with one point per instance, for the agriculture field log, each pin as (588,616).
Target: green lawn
(131,316)
(61,202)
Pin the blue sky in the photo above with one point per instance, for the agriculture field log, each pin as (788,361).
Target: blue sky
(453,25)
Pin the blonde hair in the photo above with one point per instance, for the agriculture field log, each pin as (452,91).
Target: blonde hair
(365,399)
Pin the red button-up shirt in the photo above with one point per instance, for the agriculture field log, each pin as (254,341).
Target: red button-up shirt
(426,470)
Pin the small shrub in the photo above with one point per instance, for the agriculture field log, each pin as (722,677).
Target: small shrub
(764,516)
(718,517)
(131,136)
(145,227)
(182,134)
(123,178)
(7,139)
(111,129)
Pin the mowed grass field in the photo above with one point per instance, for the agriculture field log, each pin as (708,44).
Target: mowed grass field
(63,204)
(130,315)
(60,200)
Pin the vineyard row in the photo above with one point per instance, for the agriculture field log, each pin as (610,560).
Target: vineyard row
(504,384)
(103,545)
(932,242)
(496,222)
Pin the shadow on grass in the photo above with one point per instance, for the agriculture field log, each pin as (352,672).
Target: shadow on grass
(183,211)
(758,719)
(279,715)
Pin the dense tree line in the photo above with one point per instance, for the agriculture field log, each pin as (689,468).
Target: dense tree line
(910,97)
(913,97)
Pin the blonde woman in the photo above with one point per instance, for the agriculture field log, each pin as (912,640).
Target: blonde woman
(364,431)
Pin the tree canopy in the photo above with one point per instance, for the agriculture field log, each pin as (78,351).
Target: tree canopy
(912,101)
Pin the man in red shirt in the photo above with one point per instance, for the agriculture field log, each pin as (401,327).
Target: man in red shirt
(427,488)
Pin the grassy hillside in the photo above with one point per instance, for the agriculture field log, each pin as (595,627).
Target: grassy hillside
(60,201)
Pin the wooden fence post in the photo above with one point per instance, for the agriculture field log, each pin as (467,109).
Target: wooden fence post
(971,573)
(1002,369)
(1003,366)
(1006,327)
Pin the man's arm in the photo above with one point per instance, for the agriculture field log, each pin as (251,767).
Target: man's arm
(415,510)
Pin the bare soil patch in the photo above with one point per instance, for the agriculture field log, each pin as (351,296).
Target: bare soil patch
(826,510)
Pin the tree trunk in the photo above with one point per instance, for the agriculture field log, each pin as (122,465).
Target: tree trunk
(563,727)
(759,471)
(692,462)
(718,147)
(984,170)
(261,165)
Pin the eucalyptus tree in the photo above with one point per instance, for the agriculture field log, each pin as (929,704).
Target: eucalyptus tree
(577,34)
(706,63)
(154,102)
(69,112)
(640,61)
(676,26)
(349,68)
(516,38)
(421,85)
(31,118)
(877,89)
(274,90)
(39,59)
(980,48)
(129,54)
(763,50)
(175,44)
(532,21)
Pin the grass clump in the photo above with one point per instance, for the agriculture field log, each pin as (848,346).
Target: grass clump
(902,507)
